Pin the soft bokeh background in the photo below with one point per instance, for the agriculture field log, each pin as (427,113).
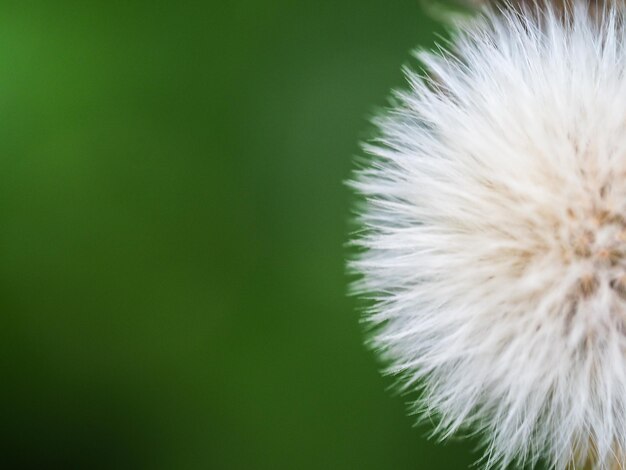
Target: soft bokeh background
(174,217)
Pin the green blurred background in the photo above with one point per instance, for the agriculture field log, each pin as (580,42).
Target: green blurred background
(174,219)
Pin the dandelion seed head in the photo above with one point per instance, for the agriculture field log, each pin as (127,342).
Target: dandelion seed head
(494,237)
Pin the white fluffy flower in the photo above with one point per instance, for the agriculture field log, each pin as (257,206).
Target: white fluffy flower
(495,236)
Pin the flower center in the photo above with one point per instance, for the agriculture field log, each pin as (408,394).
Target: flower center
(601,246)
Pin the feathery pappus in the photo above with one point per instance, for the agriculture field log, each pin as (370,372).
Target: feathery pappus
(494,235)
